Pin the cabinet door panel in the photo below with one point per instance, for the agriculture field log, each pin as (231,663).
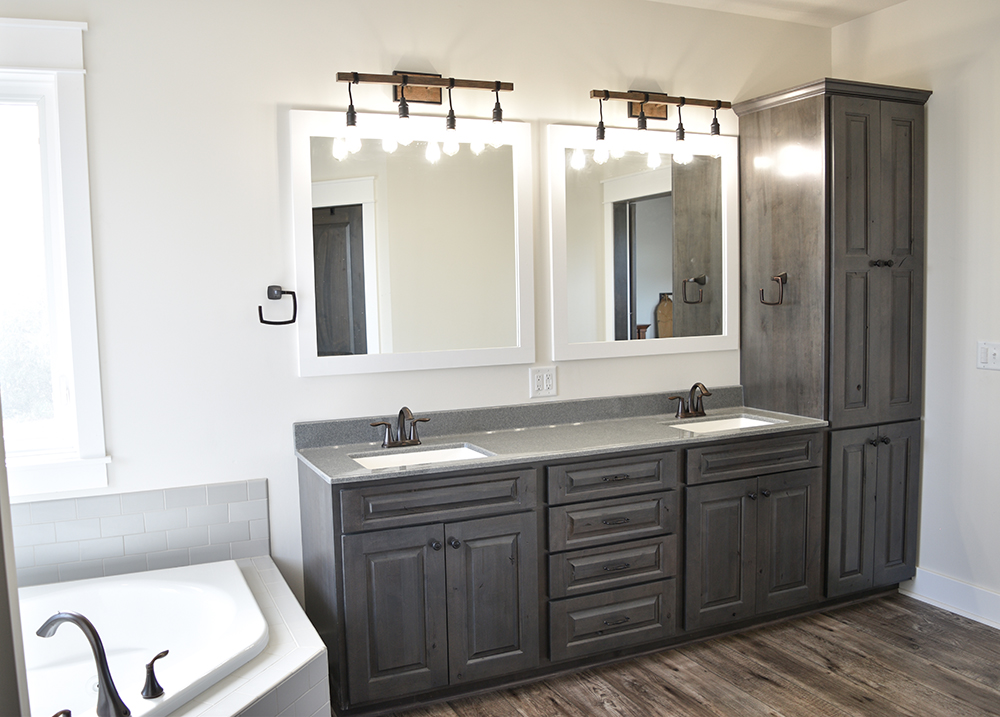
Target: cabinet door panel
(896,503)
(721,553)
(852,514)
(492,596)
(394,608)
(789,539)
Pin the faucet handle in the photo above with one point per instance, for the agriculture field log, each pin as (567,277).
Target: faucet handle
(387,436)
(63,713)
(682,408)
(153,689)
(413,429)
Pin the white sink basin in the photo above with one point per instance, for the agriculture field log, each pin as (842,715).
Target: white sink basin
(395,458)
(724,424)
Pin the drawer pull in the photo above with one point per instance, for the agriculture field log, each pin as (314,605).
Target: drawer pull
(613,479)
(615,521)
(619,566)
(612,623)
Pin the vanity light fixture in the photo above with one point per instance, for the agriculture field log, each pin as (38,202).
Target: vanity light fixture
(715,131)
(450,133)
(601,152)
(404,130)
(351,136)
(682,155)
(496,132)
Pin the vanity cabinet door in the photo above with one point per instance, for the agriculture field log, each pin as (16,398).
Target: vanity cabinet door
(492,574)
(897,503)
(721,553)
(395,612)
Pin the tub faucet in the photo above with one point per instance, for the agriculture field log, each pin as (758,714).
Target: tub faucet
(109,704)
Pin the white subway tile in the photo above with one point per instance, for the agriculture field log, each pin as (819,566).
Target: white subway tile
(87,529)
(55,553)
(142,502)
(102,548)
(227,492)
(53,511)
(293,687)
(259,530)
(145,543)
(81,570)
(264,706)
(325,710)
(248,510)
(168,559)
(208,514)
(121,525)
(257,489)
(165,519)
(99,506)
(187,537)
(41,575)
(250,548)
(34,534)
(210,553)
(24,557)
(127,564)
(20,514)
(185,497)
(230,532)
(314,698)
(318,669)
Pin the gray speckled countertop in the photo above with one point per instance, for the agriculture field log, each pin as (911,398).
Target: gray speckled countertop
(599,429)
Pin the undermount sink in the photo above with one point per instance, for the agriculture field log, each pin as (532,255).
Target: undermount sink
(733,423)
(393,458)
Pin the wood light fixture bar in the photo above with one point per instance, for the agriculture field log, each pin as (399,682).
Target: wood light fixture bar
(418,80)
(658,98)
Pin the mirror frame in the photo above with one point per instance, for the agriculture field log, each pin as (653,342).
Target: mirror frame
(305,124)
(563,137)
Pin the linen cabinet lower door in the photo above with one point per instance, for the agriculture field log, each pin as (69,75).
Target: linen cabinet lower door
(897,503)
(492,568)
(395,612)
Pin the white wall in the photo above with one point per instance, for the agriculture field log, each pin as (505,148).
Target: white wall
(953,49)
(183,101)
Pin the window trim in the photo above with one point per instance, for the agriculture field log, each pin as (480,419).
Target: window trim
(54,50)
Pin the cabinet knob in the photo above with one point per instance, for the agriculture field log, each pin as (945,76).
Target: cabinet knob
(455,543)
(436,544)
(872,441)
(885,440)
(766,493)
(752,496)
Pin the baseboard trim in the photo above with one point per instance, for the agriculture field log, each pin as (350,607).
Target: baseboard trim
(970,601)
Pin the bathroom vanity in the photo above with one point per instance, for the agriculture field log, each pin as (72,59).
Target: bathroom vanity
(567,544)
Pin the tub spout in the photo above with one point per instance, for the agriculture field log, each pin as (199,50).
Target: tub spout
(109,704)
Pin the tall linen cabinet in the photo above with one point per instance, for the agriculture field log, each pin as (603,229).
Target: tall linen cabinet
(832,182)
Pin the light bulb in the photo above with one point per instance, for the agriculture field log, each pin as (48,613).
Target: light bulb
(404,131)
(682,155)
(450,146)
(339,148)
(433,153)
(653,159)
(601,154)
(496,134)
(389,144)
(477,146)
(352,139)
(616,151)
(577,160)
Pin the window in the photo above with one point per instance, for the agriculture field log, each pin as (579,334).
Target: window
(49,372)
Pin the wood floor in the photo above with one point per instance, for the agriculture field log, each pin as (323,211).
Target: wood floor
(890,656)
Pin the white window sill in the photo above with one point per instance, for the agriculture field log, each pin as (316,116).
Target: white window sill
(34,477)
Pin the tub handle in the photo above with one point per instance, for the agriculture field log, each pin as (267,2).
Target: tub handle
(152,690)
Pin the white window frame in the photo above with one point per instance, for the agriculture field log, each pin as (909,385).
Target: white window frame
(50,53)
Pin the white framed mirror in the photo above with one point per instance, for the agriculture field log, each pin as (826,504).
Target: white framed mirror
(645,259)
(403,263)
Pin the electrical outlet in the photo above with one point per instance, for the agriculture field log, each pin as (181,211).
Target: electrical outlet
(543,381)
(988,356)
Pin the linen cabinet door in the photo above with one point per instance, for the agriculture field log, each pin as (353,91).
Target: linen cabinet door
(789,539)
(492,568)
(395,612)
(851,545)
(897,503)
(721,552)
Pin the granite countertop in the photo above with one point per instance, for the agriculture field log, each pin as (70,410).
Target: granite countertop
(512,445)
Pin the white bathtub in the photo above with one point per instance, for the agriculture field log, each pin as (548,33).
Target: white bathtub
(204,614)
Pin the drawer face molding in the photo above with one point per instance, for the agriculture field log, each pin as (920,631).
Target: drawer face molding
(587,524)
(621,476)
(612,566)
(591,624)
(391,506)
(751,458)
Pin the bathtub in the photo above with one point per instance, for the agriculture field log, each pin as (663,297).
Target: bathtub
(205,615)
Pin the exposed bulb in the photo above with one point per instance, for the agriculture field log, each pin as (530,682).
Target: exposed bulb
(577,160)
(339,148)
(404,131)
(450,145)
(433,153)
(682,155)
(389,144)
(653,159)
(477,146)
(352,138)
(616,151)
(601,153)
(496,134)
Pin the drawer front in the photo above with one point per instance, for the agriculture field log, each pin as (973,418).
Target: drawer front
(608,521)
(751,458)
(577,482)
(612,566)
(592,624)
(389,506)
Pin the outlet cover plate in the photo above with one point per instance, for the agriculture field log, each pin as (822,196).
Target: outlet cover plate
(543,381)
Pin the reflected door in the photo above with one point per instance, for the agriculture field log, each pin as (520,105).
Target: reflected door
(338,260)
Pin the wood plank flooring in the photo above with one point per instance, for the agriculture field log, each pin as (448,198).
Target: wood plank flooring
(890,656)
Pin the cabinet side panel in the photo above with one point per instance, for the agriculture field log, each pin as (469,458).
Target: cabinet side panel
(783,352)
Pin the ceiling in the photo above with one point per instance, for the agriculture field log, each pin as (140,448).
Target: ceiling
(822,13)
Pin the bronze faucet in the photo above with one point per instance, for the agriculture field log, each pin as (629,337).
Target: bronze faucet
(401,437)
(691,407)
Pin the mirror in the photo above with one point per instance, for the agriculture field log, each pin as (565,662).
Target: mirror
(644,260)
(403,263)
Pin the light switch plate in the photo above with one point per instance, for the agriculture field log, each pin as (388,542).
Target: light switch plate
(988,356)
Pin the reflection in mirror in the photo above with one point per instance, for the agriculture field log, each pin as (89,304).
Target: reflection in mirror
(640,247)
(410,263)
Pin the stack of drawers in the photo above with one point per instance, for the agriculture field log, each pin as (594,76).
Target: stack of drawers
(613,553)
